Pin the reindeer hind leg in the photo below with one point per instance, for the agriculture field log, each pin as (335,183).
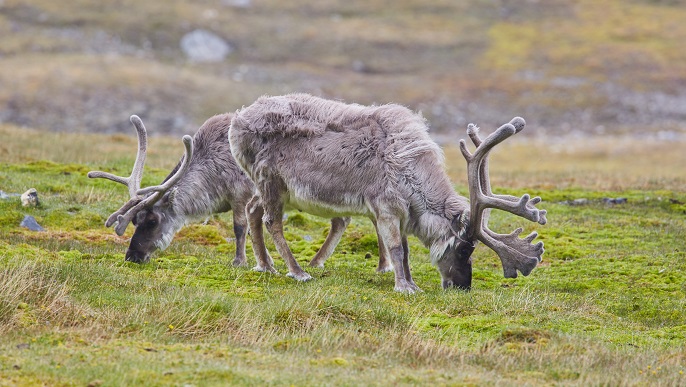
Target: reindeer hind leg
(338,226)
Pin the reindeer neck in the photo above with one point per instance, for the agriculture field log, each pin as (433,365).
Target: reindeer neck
(434,210)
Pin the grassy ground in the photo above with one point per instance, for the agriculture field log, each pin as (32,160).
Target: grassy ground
(604,308)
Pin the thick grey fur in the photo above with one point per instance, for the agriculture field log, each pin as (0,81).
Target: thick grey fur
(335,160)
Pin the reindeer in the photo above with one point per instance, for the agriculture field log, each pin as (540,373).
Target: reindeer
(335,160)
(206,180)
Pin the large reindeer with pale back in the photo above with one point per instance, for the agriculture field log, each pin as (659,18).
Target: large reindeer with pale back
(206,181)
(334,159)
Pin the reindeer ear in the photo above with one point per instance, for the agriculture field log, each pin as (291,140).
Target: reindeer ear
(169,198)
(460,223)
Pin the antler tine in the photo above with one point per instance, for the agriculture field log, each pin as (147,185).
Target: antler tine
(484,179)
(515,253)
(137,172)
(133,182)
(164,187)
(126,207)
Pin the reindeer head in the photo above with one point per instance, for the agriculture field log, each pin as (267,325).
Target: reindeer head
(456,266)
(516,254)
(150,209)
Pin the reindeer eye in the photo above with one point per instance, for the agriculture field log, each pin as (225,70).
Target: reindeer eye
(151,223)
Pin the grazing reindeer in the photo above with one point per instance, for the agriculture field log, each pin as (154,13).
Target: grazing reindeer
(333,159)
(207,180)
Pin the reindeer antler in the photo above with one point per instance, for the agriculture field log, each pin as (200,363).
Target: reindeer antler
(515,253)
(133,182)
(139,200)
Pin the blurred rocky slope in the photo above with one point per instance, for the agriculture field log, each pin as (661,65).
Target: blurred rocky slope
(586,66)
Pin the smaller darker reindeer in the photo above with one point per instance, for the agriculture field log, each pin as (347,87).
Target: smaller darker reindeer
(206,181)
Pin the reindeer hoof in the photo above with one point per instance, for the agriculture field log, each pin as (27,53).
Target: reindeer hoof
(302,277)
(265,269)
(407,288)
(240,262)
(385,269)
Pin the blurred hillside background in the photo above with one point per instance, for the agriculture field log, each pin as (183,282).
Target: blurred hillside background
(611,67)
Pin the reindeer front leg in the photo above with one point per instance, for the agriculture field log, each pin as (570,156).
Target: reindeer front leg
(240,228)
(254,213)
(272,193)
(384,262)
(388,227)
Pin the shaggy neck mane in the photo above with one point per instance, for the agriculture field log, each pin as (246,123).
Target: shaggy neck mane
(208,185)
(436,211)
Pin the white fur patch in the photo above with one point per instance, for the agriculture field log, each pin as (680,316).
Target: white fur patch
(168,234)
(438,248)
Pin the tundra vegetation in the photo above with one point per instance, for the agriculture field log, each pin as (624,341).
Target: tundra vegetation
(604,307)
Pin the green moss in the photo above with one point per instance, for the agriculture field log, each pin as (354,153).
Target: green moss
(202,234)
(363,243)
(296,220)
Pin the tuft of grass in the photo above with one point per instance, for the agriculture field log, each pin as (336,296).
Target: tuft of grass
(30,297)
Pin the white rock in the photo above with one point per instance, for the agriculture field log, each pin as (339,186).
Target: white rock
(204,46)
(237,3)
(29,198)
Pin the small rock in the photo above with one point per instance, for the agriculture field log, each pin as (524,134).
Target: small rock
(237,3)
(30,223)
(30,198)
(204,46)
(615,200)
(359,66)
(307,238)
(368,255)
(23,346)
(579,202)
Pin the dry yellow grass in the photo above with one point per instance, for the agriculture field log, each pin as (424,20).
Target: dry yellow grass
(21,145)
(597,163)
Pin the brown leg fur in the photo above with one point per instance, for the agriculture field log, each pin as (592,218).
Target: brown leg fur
(254,214)
(338,226)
